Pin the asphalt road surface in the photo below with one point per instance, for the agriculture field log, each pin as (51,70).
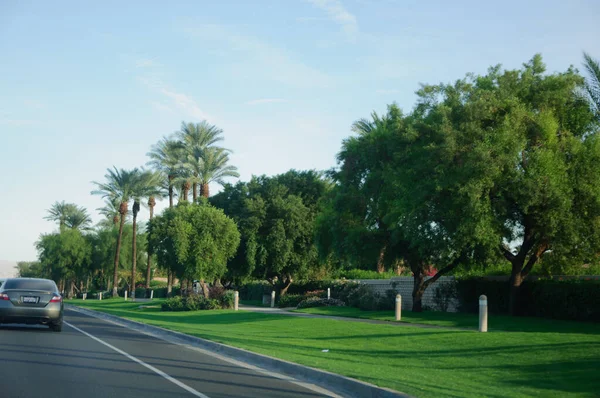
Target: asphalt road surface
(95,358)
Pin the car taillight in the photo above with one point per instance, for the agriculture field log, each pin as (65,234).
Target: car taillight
(4,296)
(56,299)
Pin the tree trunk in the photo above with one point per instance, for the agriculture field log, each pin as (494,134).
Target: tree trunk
(136,209)
(169,283)
(71,288)
(170,190)
(418,290)
(286,285)
(204,288)
(151,204)
(204,190)
(185,189)
(195,191)
(380,260)
(118,251)
(515,284)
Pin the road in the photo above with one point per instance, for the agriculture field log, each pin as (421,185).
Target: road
(95,358)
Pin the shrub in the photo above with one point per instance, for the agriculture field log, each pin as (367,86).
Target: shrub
(290,300)
(367,274)
(320,302)
(364,298)
(571,300)
(173,304)
(316,293)
(255,290)
(443,295)
(227,299)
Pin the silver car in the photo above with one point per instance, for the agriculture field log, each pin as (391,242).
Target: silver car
(31,301)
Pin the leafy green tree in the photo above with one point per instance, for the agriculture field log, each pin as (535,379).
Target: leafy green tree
(30,269)
(119,186)
(197,239)
(522,151)
(65,256)
(276,224)
(166,157)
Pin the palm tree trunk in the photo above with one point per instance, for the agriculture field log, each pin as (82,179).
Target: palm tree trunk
(195,192)
(151,203)
(117,252)
(204,190)
(136,208)
(170,191)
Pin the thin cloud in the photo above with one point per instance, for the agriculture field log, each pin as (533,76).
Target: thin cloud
(161,107)
(18,122)
(266,101)
(340,15)
(271,62)
(182,101)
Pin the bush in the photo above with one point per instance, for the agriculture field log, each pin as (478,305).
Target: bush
(173,304)
(571,300)
(367,274)
(364,298)
(290,300)
(193,302)
(443,295)
(254,290)
(227,299)
(320,302)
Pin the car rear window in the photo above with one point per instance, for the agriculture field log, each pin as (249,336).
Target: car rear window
(29,284)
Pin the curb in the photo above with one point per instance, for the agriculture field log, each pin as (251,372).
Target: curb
(338,384)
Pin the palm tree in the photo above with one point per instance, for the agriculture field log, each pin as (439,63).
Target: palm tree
(146,184)
(110,210)
(69,215)
(78,219)
(119,187)
(166,157)
(214,168)
(196,138)
(592,85)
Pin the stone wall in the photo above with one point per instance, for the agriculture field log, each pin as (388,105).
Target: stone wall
(404,286)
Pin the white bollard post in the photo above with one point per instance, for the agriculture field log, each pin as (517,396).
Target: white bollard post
(328,293)
(125,295)
(483,313)
(84,296)
(273,299)
(151,294)
(236,300)
(398,307)
(100,296)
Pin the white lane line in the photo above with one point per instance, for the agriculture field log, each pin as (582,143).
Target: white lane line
(152,368)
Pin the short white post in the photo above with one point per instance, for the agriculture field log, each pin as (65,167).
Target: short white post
(328,293)
(483,313)
(151,294)
(398,307)
(84,295)
(125,295)
(236,300)
(100,296)
(273,299)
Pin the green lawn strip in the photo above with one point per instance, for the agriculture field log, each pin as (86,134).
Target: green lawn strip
(419,361)
(462,320)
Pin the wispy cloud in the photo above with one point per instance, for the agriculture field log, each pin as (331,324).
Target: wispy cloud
(260,57)
(266,101)
(182,101)
(340,15)
(159,106)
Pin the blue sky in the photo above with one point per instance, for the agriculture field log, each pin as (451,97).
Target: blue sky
(84,86)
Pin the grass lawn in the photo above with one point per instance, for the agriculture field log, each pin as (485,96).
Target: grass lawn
(423,362)
(460,320)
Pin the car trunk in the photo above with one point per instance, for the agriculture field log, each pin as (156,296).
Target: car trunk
(29,298)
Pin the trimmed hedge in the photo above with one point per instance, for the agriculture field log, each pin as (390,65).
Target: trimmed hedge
(570,300)
(320,302)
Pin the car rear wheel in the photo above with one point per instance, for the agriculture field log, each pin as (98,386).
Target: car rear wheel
(56,327)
